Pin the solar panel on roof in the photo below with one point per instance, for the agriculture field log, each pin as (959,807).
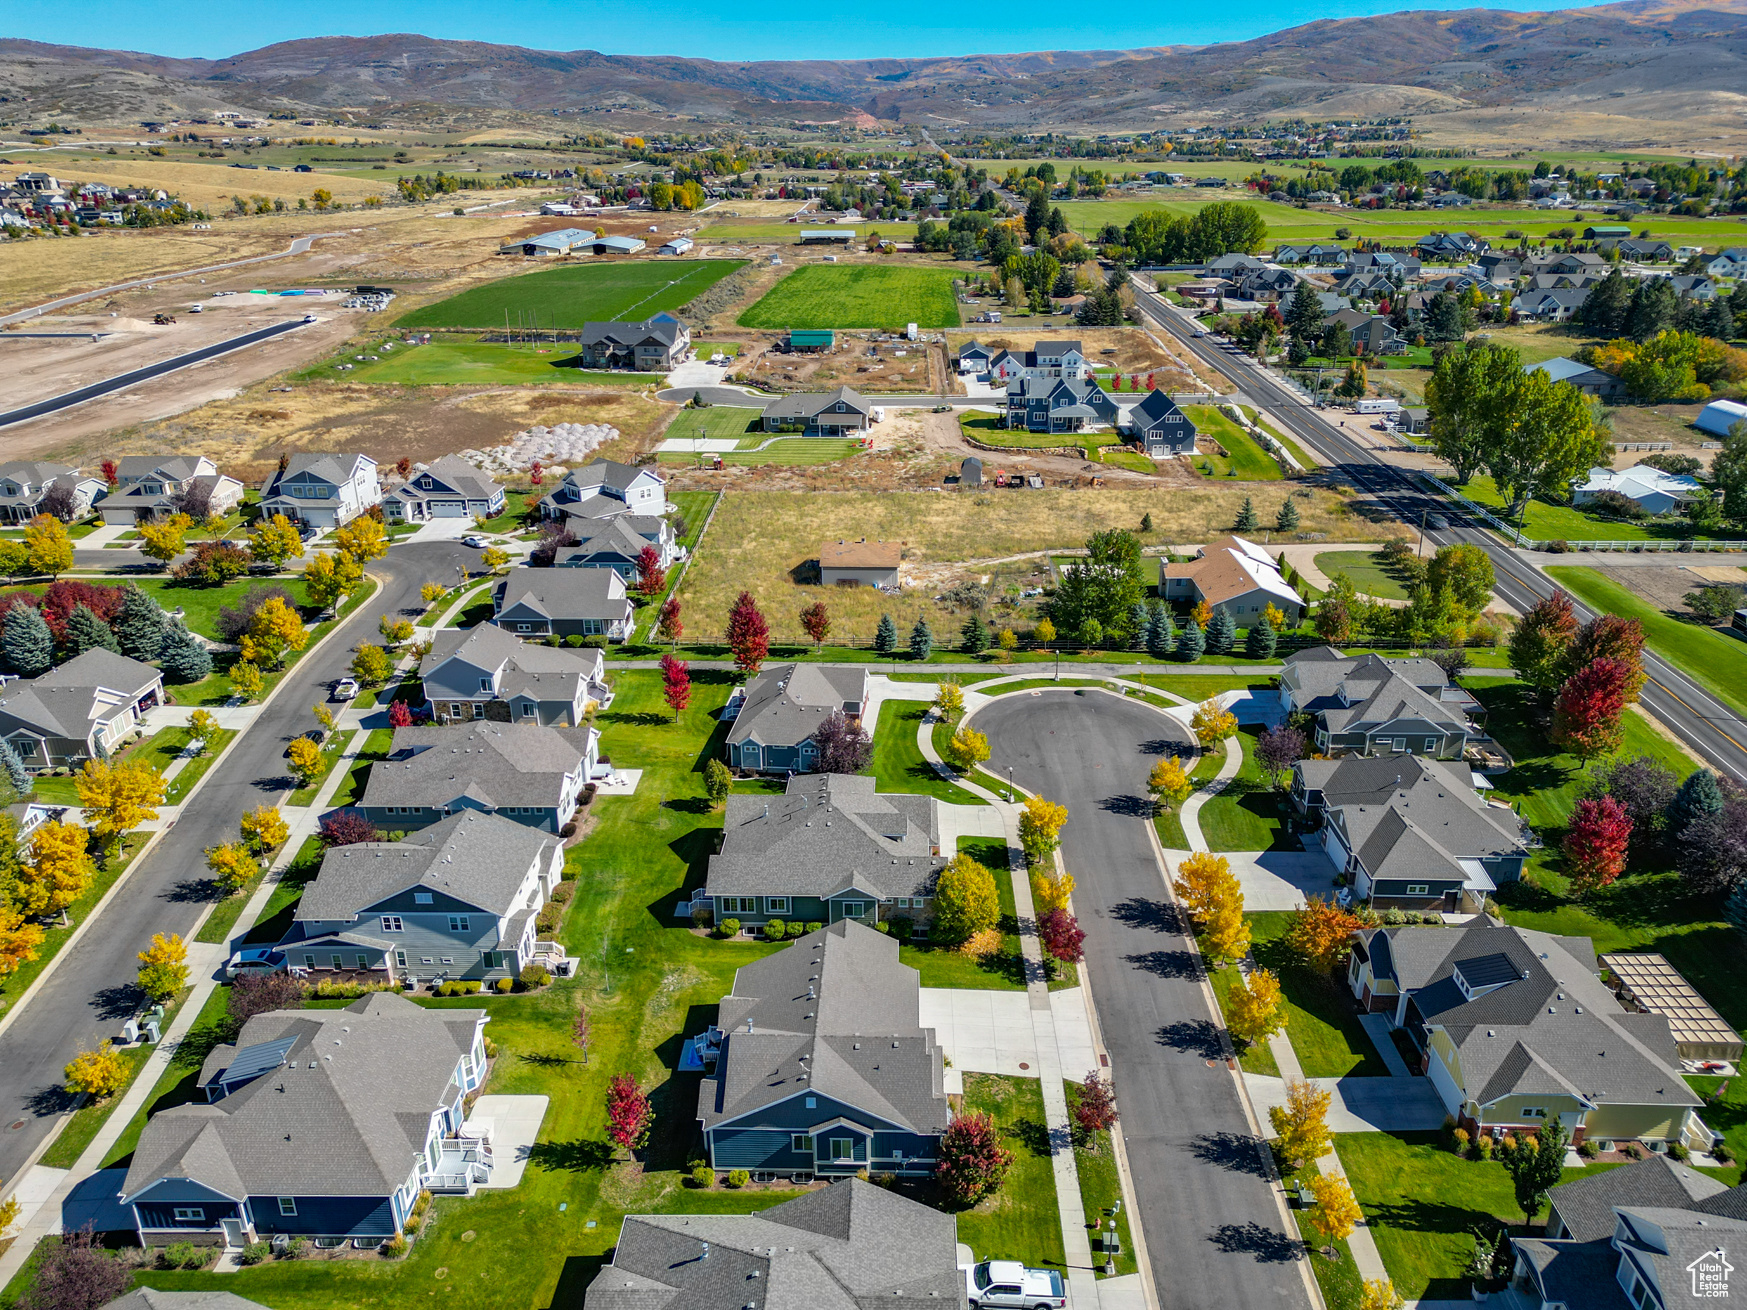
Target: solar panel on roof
(262,1057)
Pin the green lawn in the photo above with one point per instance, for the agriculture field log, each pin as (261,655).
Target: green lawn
(571,295)
(447,361)
(991,431)
(1257,1059)
(897,759)
(1244,459)
(1248,814)
(1170,824)
(1368,570)
(942,966)
(376,747)
(1100,1189)
(793,452)
(1320,1017)
(1709,656)
(1728,1116)
(1197,687)
(332,749)
(1545,522)
(857,296)
(275,918)
(193,771)
(1020,1221)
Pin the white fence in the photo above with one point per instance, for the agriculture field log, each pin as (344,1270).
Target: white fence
(1530,543)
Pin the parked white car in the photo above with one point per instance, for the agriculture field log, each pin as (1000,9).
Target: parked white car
(257,959)
(345,689)
(1009,1285)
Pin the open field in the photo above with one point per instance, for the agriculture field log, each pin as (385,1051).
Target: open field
(1368,570)
(751,231)
(445,361)
(574,294)
(857,296)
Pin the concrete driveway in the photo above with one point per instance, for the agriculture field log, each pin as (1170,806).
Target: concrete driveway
(1361,1105)
(992,1031)
(1281,880)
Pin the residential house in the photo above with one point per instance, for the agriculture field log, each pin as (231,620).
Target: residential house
(1583,1211)
(1159,428)
(861,563)
(617,544)
(1726,263)
(1267,285)
(485,672)
(1411,832)
(324,1124)
(1549,306)
(326,491)
(1559,281)
(604,489)
(1369,705)
(1229,266)
(853,1245)
(1694,286)
(1366,284)
(456,900)
(1386,261)
(1451,245)
(974,357)
(1590,381)
(1650,1256)
(1415,420)
(527,772)
(1234,573)
(564,603)
(1499,265)
(829,848)
(827,414)
(1315,253)
(1371,334)
(1513,1028)
(654,345)
(1041,404)
(83,709)
(149,486)
(1648,252)
(24,482)
(822,1065)
(1649,488)
(783,707)
(1573,262)
(448,488)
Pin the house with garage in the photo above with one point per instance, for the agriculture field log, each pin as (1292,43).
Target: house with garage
(1314,253)
(654,345)
(1370,334)
(1233,266)
(1044,404)
(1045,360)
(1160,428)
(324,490)
(822,1066)
(782,708)
(322,1124)
(1233,573)
(1369,705)
(1514,1029)
(1451,245)
(1549,306)
(1694,286)
(1652,490)
(618,543)
(563,603)
(828,414)
(448,488)
(456,900)
(24,483)
(1731,262)
(1265,286)
(486,672)
(829,848)
(152,486)
(1590,381)
(1650,1255)
(864,1243)
(973,357)
(861,563)
(83,709)
(1396,264)
(523,771)
(1410,832)
(605,489)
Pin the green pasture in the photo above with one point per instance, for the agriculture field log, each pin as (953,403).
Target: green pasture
(571,295)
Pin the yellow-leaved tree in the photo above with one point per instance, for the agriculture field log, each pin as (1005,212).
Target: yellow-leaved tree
(1379,1294)
(1050,890)
(1201,878)
(1169,784)
(274,630)
(394,631)
(1044,633)
(246,679)
(364,538)
(232,866)
(432,592)
(1336,1212)
(263,828)
(164,966)
(371,665)
(1275,615)
(165,538)
(1301,1125)
(19,939)
(58,870)
(47,548)
(1212,723)
(304,760)
(967,749)
(119,797)
(1226,935)
(202,728)
(276,541)
(965,901)
(1040,828)
(949,700)
(97,1073)
(1256,1012)
(329,577)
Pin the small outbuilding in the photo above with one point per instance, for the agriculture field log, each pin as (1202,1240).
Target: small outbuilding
(970,473)
(811,341)
(1719,416)
(860,563)
(827,236)
(677,246)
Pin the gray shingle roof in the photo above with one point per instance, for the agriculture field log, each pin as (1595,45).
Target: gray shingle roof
(152,1298)
(350,1126)
(811,404)
(1670,1241)
(662,329)
(326,465)
(1587,1205)
(828,833)
(851,1246)
(63,701)
(608,473)
(545,673)
(564,593)
(178,468)
(786,703)
(454,476)
(498,764)
(626,534)
(1351,693)
(1574,1273)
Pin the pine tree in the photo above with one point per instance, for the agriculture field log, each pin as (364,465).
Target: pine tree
(975,634)
(1262,640)
(1287,519)
(26,645)
(1246,517)
(1221,632)
(1138,619)
(13,767)
(886,635)
(85,631)
(1160,634)
(182,657)
(1190,643)
(1698,796)
(921,640)
(140,624)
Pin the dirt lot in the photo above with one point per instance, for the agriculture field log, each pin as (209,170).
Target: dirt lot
(1664,422)
(859,361)
(1664,587)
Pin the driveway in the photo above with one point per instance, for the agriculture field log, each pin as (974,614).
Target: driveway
(1361,1105)
(991,1031)
(1214,1230)
(1282,880)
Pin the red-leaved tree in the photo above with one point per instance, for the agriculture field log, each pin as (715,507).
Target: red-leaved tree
(256,992)
(973,1162)
(1060,934)
(399,715)
(676,684)
(76,1273)
(347,828)
(1610,637)
(536,473)
(816,622)
(748,634)
(111,472)
(1095,1110)
(629,1116)
(668,625)
(1586,713)
(651,576)
(1596,842)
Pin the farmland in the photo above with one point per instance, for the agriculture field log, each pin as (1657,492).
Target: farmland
(476,363)
(574,294)
(730,231)
(857,296)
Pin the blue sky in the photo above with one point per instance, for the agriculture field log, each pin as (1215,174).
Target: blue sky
(766,29)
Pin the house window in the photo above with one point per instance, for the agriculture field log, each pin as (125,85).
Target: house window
(738,904)
(1418,889)
(448,959)
(489,960)
(309,961)
(594,627)
(854,909)
(337,962)
(527,711)
(1431,743)
(479,709)
(190,1212)
(524,627)
(801,1142)
(392,923)
(458,923)
(1400,743)
(363,962)
(418,898)
(485,684)
(776,905)
(288,1205)
(812,1102)
(1534,1112)
(842,1148)
(400,959)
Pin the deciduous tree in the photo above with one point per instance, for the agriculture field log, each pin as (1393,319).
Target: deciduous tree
(629,1114)
(274,631)
(364,539)
(277,540)
(1586,713)
(949,700)
(346,828)
(1596,841)
(1538,645)
(1379,1294)
(1212,723)
(246,680)
(1278,749)
(329,577)
(748,634)
(58,870)
(1094,1107)
(1040,828)
(966,749)
(1061,936)
(1610,637)
(1225,936)
(1336,1212)
(20,940)
(97,1073)
(1320,935)
(1256,1012)
(232,866)
(676,684)
(1301,1124)
(371,665)
(973,1163)
(1535,1164)
(258,992)
(164,967)
(1201,883)
(395,632)
(668,624)
(165,538)
(1168,783)
(119,797)
(47,548)
(1050,890)
(304,759)
(965,901)
(844,746)
(816,623)
(264,828)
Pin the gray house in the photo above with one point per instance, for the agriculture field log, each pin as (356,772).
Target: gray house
(829,848)
(822,1065)
(487,673)
(827,414)
(617,543)
(24,482)
(1651,1255)
(449,488)
(603,490)
(455,900)
(1583,1211)
(651,346)
(563,603)
(326,491)
(528,773)
(1046,404)
(83,708)
(852,1245)
(1371,334)
(1160,428)
(369,1099)
(1590,381)
(783,706)
(1368,705)
(147,486)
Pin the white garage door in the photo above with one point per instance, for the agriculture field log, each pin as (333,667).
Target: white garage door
(448,509)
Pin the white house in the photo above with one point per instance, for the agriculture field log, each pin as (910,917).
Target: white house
(1657,492)
(326,491)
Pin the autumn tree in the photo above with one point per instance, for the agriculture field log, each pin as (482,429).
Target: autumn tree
(275,541)
(1061,936)
(329,577)
(966,749)
(668,624)
(1301,1124)
(949,700)
(232,865)
(364,539)
(676,684)
(816,623)
(1535,1165)
(371,665)
(1040,828)
(1256,1012)
(1225,936)
(395,632)
(246,680)
(202,728)
(256,991)
(274,630)
(844,746)
(1596,841)
(1610,637)
(1050,890)
(1201,881)
(432,592)
(1212,723)
(1587,711)
(20,940)
(117,798)
(1379,1294)
(58,870)
(47,547)
(1278,750)
(97,1073)
(1336,1212)
(748,634)
(629,1114)
(973,1163)
(163,967)
(1094,1108)
(304,758)
(965,901)
(165,538)
(264,828)
(1320,935)
(1168,783)
(1539,644)
(346,828)
(76,1272)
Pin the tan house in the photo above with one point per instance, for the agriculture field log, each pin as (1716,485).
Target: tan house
(1236,574)
(860,563)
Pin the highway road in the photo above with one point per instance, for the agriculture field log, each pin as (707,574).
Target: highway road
(1710,728)
(92,990)
(1214,1231)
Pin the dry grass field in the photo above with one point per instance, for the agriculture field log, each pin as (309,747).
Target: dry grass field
(765,542)
(212,185)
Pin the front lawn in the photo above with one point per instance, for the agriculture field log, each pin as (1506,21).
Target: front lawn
(376,747)
(1100,1190)
(1020,1221)
(1248,815)
(1170,823)
(1370,572)
(897,758)
(1728,1116)
(332,749)
(1321,1018)
(1004,970)
(1244,460)
(1257,1059)
(1546,522)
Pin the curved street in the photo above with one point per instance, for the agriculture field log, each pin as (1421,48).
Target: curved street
(1208,1210)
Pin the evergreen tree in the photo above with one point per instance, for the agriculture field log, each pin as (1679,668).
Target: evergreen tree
(1189,642)
(921,640)
(13,767)
(1605,309)
(975,634)
(1287,519)
(1221,631)
(1139,617)
(26,645)
(85,631)
(1720,320)
(1160,633)
(1304,315)
(182,657)
(886,635)
(1246,518)
(1698,797)
(1262,640)
(140,624)
(1652,308)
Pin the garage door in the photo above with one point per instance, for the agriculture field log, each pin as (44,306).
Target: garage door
(448,509)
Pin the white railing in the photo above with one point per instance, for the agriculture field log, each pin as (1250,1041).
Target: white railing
(1517,538)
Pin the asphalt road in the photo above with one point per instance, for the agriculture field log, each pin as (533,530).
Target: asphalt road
(1207,1209)
(1711,729)
(92,990)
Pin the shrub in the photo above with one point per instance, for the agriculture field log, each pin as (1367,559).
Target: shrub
(813,925)
(295,1249)
(738,1178)
(1484,1146)
(563,892)
(1459,1140)
(594,643)
(729,928)
(569,829)
(1393,918)
(774,930)
(255,1252)
(535,975)
(796,928)
(551,914)
(703,1176)
(506,985)
(394,1247)
(1678,1151)
(1722,1153)
(181,1255)
(1636,1150)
